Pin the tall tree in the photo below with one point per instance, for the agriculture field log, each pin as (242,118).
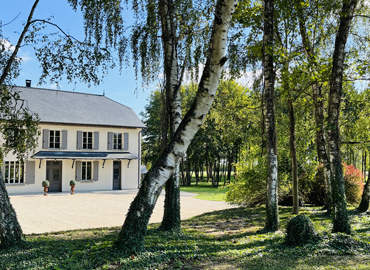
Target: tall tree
(340,217)
(318,102)
(131,237)
(62,56)
(272,211)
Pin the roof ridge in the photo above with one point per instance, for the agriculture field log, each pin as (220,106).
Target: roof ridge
(57,90)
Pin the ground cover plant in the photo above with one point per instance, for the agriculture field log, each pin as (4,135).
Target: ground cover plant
(228,239)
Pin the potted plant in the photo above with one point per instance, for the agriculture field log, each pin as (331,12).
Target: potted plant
(72,183)
(46,185)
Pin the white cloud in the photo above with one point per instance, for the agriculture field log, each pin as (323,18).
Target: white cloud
(7,45)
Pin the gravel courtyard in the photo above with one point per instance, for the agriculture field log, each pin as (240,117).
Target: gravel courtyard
(62,211)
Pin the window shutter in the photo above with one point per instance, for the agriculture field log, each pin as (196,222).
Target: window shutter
(79,140)
(96,140)
(64,139)
(125,136)
(110,140)
(78,171)
(45,139)
(30,172)
(96,170)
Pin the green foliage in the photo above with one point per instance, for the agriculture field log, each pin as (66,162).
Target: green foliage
(300,230)
(72,182)
(312,185)
(353,180)
(45,183)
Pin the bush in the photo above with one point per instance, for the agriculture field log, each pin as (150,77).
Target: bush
(314,188)
(353,180)
(300,230)
(45,183)
(249,187)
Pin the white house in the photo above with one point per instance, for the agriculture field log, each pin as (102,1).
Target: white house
(86,137)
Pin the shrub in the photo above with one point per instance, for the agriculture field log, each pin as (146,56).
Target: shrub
(249,187)
(72,182)
(300,230)
(353,183)
(45,183)
(314,188)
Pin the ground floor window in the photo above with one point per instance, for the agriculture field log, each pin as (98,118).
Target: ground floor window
(86,169)
(13,172)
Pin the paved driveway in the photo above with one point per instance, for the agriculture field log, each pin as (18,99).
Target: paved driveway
(62,211)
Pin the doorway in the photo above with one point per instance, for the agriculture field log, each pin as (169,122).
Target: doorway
(54,175)
(116,175)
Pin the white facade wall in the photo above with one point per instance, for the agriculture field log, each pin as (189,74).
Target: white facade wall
(129,169)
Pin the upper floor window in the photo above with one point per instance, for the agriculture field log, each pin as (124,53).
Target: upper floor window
(118,141)
(13,172)
(87,140)
(54,139)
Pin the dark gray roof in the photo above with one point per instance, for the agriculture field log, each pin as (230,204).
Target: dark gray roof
(65,107)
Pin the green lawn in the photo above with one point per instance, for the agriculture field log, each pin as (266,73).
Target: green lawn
(228,239)
(206,192)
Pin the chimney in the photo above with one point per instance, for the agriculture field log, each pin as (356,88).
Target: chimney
(28,83)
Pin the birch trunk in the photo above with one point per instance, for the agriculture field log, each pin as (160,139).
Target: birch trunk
(132,234)
(318,107)
(272,212)
(171,217)
(10,230)
(340,217)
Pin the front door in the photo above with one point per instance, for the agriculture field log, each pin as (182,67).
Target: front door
(116,175)
(54,175)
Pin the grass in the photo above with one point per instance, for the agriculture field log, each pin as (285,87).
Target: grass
(228,239)
(205,191)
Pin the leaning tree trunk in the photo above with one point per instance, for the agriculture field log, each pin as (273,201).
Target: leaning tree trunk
(318,106)
(10,230)
(171,217)
(272,212)
(364,204)
(340,217)
(132,235)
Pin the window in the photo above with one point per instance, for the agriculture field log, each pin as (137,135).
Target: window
(14,172)
(117,140)
(86,169)
(87,140)
(54,139)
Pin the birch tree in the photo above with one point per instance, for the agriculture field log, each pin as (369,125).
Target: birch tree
(272,211)
(132,234)
(340,217)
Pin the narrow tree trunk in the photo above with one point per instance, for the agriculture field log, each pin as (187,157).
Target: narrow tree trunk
(196,170)
(364,204)
(340,217)
(10,230)
(272,211)
(132,235)
(293,156)
(318,107)
(171,217)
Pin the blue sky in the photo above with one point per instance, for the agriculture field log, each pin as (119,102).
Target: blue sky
(120,87)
